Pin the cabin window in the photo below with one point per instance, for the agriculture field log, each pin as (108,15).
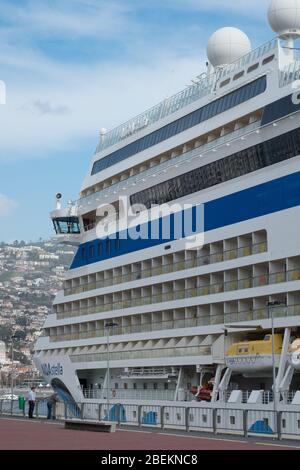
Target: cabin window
(265,154)
(66,225)
(125,386)
(268,59)
(92,251)
(232,419)
(219,419)
(167,416)
(225,82)
(239,75)
(284,423)
(204,418)
(191,418)
(230,100)
(134,386)
(253,67)
(83,253)
(134,414)
(155,386)
(178,416)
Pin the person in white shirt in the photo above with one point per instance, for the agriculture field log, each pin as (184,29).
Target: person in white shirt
(31,397)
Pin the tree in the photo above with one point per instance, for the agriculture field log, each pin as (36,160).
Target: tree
(20,334)
(22,321)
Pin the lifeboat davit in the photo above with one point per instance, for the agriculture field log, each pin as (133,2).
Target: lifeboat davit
(254,358)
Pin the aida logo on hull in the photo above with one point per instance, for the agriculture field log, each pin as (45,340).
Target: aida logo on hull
(56,369)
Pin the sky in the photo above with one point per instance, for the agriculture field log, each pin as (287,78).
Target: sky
(71,67)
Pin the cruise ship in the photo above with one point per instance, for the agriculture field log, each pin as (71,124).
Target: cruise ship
(185,283)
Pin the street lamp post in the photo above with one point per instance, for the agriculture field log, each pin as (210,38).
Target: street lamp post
(271,305)
(12,371)
(108,326)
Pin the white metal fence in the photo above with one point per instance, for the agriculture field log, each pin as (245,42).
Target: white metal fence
(246,422)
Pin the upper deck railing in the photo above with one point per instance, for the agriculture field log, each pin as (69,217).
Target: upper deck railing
(290,73)
(185,97)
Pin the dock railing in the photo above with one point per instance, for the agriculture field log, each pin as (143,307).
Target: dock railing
(283,424)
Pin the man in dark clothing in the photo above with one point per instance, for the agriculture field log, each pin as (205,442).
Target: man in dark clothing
(51,402)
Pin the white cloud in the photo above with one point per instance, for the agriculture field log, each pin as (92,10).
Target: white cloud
(7,205)
(45,107)
(257,8)
(76,102)
(76,18)
(52,104)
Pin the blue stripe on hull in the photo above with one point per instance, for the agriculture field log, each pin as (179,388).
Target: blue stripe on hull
(279,109)
(267,198)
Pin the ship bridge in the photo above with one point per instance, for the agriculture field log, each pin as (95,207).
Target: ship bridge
(66,223)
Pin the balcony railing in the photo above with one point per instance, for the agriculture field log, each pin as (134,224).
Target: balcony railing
(90,226)
(290,74)
(208,289)
(191,322)
(137,394)
(143,354)
(201,260)
(176,102)
(179,160)
(267,396)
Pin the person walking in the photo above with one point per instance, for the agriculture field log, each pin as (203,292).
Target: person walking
(51,402)
(31,397)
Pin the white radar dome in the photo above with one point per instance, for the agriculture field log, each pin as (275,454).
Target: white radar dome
(284,17)
(227,45)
